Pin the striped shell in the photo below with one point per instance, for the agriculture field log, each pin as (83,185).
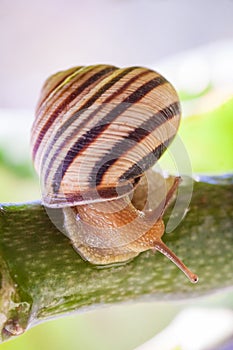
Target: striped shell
(98,128)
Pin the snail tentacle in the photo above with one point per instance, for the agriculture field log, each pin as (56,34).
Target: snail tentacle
(162,248)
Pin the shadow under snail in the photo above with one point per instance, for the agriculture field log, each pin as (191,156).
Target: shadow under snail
(98,130)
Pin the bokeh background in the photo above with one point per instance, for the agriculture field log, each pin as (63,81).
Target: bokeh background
(190,42)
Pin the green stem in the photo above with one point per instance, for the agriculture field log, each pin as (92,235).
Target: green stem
(42,276)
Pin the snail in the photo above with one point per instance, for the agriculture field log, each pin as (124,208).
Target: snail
(97,132)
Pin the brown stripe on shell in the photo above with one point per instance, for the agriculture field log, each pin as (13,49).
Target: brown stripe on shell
(88,104)
(87,195)
(60,108)
(61,92)
(136,136)
(71,84)
(53,82)
(91,135)
(150,159)
(104,84)
(141,149)
(53,105)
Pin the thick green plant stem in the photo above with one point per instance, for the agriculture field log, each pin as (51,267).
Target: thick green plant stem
(42,276)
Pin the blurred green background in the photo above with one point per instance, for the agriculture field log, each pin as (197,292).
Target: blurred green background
(190,43)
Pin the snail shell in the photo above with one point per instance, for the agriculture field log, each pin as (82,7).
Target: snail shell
(97,130)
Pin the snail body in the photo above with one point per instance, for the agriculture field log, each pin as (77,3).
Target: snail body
(97,132)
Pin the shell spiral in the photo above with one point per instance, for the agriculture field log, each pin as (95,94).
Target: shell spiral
(98,128)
